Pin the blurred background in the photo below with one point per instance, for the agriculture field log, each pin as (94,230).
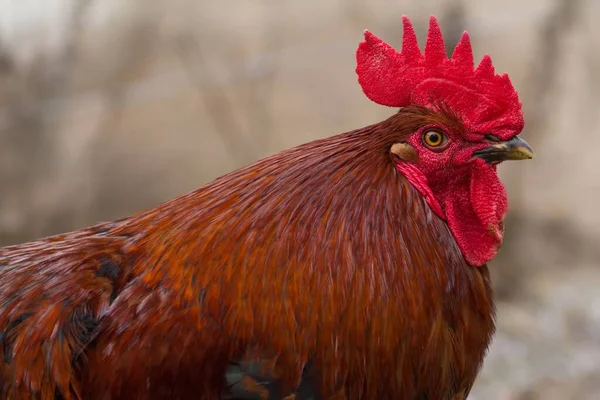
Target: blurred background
(108,107)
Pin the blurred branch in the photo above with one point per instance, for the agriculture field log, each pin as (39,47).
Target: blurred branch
(261,88)
(137,45)
(545,68)
(241,145)
(59,79)
(27,133)
(78,174)
(454,17)
(6,64)
(214,98)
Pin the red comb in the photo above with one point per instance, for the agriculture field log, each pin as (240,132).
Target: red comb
(486,101)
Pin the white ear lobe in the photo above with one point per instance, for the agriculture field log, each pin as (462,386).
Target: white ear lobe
(405,151)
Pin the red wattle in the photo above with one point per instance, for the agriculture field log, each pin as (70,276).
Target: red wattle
(473,208)
(419,181)
(488,198)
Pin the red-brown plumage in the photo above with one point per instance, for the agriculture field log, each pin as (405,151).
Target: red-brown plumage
(350,267)
(323,253)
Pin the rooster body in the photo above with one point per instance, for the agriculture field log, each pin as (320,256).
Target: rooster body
(322,272)
(255,266)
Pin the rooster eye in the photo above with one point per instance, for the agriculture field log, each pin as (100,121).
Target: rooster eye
(433,138)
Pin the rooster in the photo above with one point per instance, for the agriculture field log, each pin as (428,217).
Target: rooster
(352,267)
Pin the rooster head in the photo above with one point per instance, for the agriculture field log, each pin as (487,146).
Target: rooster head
(462,122)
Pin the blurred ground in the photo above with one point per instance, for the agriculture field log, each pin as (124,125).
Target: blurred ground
(109,107)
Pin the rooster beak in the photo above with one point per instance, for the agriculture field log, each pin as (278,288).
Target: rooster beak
(513,149)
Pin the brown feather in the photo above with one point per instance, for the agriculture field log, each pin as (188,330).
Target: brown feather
(322,254)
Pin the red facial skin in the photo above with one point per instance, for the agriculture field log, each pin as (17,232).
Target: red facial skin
(461,189)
